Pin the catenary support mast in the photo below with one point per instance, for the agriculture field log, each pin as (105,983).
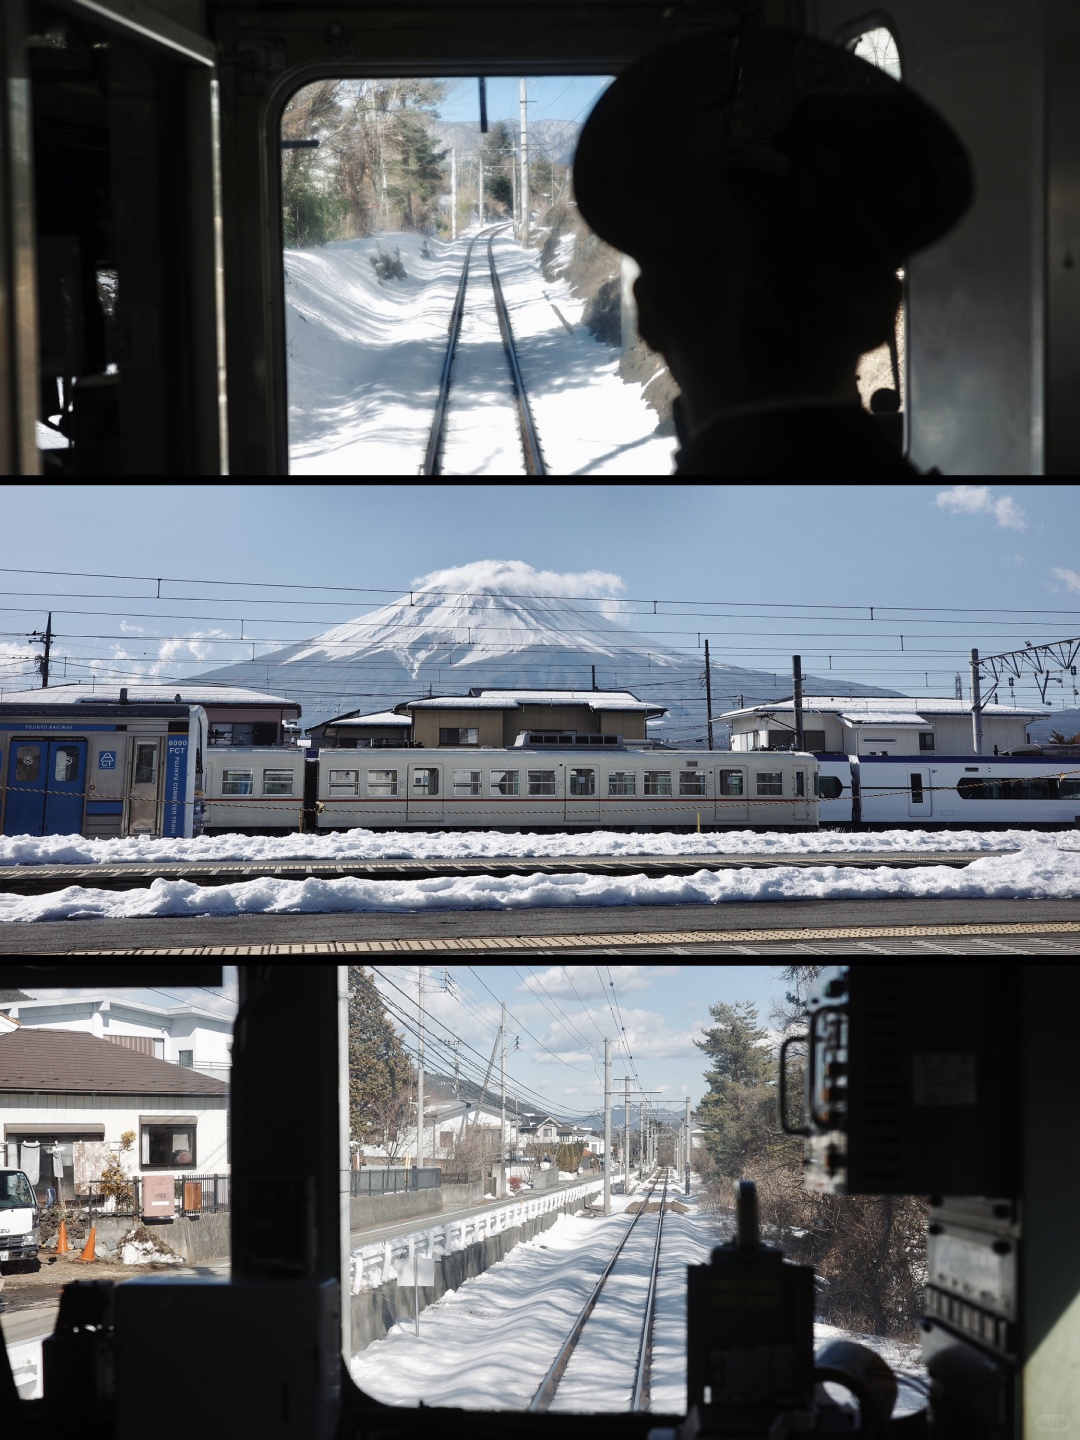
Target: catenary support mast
(607,1114)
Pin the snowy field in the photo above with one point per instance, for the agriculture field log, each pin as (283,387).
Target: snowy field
(364,359)
(488,1344)
(1038,871)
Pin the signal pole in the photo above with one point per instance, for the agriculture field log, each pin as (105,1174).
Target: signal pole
(43,660)
(524,186)
(607,1090)
(708,693)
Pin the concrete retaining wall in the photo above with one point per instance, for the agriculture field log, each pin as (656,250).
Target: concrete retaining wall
(207,1238)
(368,1211)
(376,1311)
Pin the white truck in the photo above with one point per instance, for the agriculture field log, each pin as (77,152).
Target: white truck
(19,1234)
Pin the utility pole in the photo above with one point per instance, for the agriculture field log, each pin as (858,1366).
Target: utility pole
(420,1075)
(688,1146)
(43,660)
(708,693)
(976,704)
(594,677)
(524,187)
(796,687)
(626,1135)
(480,215)
(514,184)
(607,1081)
(502,1122)
(453,193)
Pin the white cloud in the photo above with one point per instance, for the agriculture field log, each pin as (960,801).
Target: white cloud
(1069,578)
(132,629)
(977,500)
(590,982)
(515,577)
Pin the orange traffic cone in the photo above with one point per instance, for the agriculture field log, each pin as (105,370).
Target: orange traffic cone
(88,1253)
(62,1246)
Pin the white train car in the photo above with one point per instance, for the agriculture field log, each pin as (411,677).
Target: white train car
(621,788)
(964,792)
(253,789)
(101,769)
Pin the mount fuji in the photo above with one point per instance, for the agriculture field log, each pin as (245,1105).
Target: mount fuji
(504,624)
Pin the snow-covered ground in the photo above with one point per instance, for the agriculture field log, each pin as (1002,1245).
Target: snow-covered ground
(1037,872)
(364,359)
(488,1344)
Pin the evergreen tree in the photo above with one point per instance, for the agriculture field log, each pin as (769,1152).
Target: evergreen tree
(497,156)
(379,1070)
(741,1080)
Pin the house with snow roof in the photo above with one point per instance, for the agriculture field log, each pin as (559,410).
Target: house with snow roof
(358,731)
(504,717)
(235,715)
(67,1098)
(871,725)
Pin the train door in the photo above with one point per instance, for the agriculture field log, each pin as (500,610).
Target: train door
(582,795)
(144,788)
(46,787)
(919,793)
(801,807)
(425,803)
(730,795)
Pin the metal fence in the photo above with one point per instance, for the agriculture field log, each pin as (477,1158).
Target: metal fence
(374,1180)
(213,1194)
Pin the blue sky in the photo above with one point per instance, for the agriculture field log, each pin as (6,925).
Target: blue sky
(557,1019)
(551,97)
(754,568)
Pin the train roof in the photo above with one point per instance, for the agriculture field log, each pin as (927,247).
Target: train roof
(178,692)
(891,710)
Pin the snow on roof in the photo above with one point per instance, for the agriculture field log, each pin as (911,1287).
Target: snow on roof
(882,717)
(382,717)
(514,699)
(180,692)
(874,707)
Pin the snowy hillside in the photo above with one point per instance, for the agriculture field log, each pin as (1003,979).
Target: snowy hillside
(365,355)
(525,631)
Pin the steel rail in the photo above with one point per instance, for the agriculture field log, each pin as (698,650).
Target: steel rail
(530,441)
(545,1391)
(432,456)
(640,1397)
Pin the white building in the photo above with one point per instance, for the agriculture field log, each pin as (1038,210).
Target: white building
(187,1035)
(446,1120)
(873,725)
(67,1098)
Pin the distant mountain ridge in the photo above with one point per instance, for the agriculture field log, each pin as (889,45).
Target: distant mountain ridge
(515,633)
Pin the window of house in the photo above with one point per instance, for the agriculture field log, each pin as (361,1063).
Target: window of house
(382,782)
(425,782)
(165,1146)
(237,782)
(691,782)
(582,782)
(731,783)
(770,782)
(541,782)
(504,782)
(657,782)
(446,1139)
(926,740)
(186,1059)
(621,782)
(463,735)
(277,782)
(467,782)
(813,739)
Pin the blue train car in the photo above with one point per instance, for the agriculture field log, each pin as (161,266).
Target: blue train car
(101,770)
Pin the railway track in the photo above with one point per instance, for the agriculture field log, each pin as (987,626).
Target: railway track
(532,456)
(637,1378)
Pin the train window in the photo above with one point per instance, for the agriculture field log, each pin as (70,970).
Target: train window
(541,782)
(731,782)
(1039,788)
(582,782)
(916,789)
(66,766)
(467,782)
(1069,789)
(800,782)
(459,735)
(236,782)
(425,782)
(657,782)
(146,761)
(504,782)
(691,782)
(394,204)
(770,782)
(381,782)
(277,782)
(27,762)
(622,782)
(831,787)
